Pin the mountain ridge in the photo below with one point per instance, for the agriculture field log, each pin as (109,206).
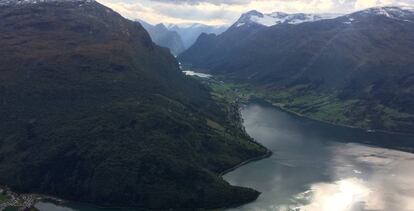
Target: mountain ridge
(275,18)
(164,37)
(191,32)
(357,64)
(93,111)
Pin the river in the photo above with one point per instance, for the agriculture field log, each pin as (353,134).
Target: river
(319,167)
(192,73)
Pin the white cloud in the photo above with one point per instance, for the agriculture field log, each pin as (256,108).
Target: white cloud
(363,4)
(217,2)
(218,12)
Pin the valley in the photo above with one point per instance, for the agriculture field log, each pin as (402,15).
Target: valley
(313,163)
(298,100)
(325,109)
(331,68)
(192,105)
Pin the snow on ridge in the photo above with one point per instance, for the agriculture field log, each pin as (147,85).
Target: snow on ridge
(389,11)
(275,18)
(409,8)
(191,25)
(405,13)
(393,12)
(20,2)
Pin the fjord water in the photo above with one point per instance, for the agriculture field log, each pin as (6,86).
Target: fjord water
(321,167)
(318,167)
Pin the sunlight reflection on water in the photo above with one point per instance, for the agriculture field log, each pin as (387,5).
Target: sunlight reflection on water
(312,170)
(323,174)
(388,185)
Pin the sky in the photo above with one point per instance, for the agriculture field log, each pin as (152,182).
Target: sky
(226,12)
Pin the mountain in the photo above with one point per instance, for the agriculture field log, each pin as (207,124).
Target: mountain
(240,32)
(91,110)
(179,37)
(256,18)
(164,37)
(356,69)
(190,32)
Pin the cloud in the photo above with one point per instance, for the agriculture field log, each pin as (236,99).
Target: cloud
(215,2)
(363,4)
(225,12)
(158,11)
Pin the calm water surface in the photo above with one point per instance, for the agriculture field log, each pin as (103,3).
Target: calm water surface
(319,167)
(192,73)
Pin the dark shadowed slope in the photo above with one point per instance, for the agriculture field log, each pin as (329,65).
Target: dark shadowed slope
(91,110)
(356,69)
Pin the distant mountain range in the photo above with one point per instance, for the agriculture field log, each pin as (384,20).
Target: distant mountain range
(91,110)
(190,32)
(165,37)
(355,69)
(179,37)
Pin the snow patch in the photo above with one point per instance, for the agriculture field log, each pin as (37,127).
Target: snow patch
(276,18)
(240,24)
(391,12)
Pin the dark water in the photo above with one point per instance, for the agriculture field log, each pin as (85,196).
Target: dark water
(319,167)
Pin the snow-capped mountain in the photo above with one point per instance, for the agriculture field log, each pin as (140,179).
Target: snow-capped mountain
(392,12)
(366,55)
(257,18)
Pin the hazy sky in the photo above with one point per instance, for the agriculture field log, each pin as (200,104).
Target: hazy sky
(218,12)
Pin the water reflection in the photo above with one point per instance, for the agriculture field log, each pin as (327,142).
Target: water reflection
(46,206)
(192,73)
(368,178)
(317,167)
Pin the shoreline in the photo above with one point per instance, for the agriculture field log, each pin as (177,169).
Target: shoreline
(273,104)
(240,100)
(268,154)
(240,120)
(257,94)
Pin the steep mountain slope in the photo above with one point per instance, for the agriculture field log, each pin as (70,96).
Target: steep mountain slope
(356,69)
(91,110)
(190,32)
(164,37)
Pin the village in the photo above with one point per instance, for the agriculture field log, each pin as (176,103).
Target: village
(11,201)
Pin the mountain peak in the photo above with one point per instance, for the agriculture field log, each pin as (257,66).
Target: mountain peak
(246,18)
(161,26)
(391,12)
(275,18)
(253,13)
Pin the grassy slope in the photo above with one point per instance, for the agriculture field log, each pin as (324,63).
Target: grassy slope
(92,111)
(324,107)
